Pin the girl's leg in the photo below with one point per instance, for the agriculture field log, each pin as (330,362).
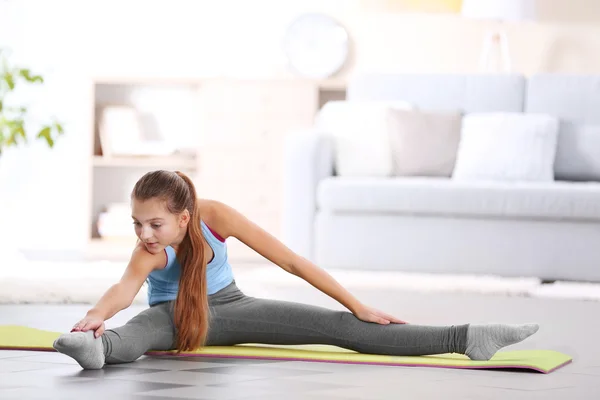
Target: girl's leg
(153,329)
(237,318)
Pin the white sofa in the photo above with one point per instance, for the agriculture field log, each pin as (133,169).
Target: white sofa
(549,229)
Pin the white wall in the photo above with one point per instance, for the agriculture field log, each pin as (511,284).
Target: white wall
(46,192)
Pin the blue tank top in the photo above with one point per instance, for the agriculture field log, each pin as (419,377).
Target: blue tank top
(163,284)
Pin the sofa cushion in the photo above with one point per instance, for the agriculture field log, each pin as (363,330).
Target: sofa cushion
(575,100)
(424,143)
(360,135)
(578,152)
(507,146)
(445,197)
(467,93)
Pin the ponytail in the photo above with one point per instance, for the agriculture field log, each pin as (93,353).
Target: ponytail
(191,306)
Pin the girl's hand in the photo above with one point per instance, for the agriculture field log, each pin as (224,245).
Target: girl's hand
(93,323)
(369,314)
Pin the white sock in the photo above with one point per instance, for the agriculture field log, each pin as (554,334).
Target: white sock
(483,341)
(83,347)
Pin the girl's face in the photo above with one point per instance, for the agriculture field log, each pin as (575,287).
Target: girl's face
(155,226)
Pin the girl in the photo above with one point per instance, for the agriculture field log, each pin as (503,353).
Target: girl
(194,301)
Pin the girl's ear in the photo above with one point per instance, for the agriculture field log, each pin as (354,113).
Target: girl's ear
(184,218)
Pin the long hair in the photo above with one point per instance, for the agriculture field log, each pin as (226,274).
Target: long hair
(191,306)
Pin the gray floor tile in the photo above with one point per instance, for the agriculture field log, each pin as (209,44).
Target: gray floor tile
(53,370)
(370,392)
(579,369)
(148,397)
(27,379)
(373,377)
(294,396)
(15,365)
(225,360)
(282,385)
(208,392)
(111,372)
(446,390)
(16,353)
(92,389)
(25,393)
(115,387)
(571,393)
(531,382)
(187,377)
(258,370)
(46,357)
(169,364)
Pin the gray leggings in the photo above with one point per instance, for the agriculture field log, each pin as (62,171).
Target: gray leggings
(237,318)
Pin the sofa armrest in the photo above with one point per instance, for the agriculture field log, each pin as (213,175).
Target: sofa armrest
(308,158)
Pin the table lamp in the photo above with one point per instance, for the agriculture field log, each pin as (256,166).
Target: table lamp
(500,11)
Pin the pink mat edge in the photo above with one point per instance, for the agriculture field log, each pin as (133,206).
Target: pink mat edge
(164,353)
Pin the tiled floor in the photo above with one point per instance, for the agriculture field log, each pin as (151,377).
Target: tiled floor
(568,326)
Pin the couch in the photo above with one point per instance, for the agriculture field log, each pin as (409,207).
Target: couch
(438,224)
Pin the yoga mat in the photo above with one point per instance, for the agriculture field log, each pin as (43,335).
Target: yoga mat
(13,337)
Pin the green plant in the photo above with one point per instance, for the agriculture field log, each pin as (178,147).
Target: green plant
(13,118)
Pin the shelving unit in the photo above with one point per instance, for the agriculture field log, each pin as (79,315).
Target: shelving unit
(232,146)
(165,112)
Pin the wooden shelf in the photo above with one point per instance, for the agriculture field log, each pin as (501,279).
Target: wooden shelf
(147,80)
(323,84)
(146,161)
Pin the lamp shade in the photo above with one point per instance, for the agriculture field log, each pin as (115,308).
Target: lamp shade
(501,10)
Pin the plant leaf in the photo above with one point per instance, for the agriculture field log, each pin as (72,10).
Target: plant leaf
(59,128)
(12,119)
(26,73)
(10,80)
(21,131)
(45,134)
(16,130)
(11,141)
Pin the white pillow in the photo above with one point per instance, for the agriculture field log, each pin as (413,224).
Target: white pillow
(578,152)
(507,147)
(360,131)
(424,143)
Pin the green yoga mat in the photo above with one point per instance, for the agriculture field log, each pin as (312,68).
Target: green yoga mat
(14,337)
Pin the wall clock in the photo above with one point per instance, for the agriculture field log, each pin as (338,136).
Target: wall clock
(316,46)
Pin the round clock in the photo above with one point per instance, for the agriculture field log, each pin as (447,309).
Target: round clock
(316,46)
